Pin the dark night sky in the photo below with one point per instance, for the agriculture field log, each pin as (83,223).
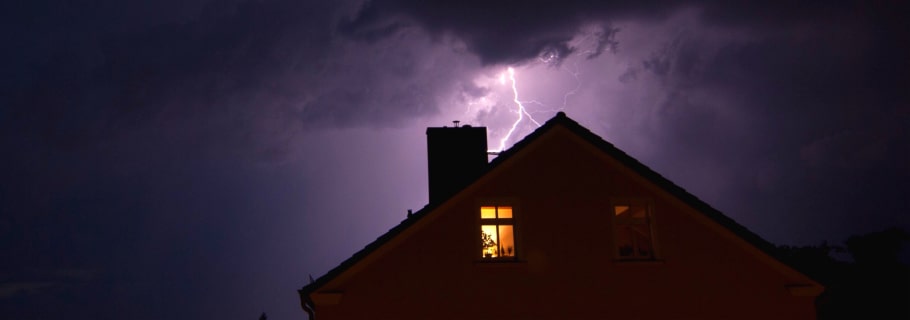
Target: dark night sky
(198,159)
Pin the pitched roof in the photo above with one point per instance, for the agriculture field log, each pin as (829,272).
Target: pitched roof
(560,120)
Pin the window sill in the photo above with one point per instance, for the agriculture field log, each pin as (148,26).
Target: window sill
(500,263)
(637,262)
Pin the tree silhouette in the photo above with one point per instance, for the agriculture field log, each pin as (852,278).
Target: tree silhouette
(876,285)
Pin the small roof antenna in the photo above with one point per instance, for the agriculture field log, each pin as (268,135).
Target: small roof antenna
(456,122)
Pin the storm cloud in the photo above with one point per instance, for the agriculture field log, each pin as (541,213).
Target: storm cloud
(208,156)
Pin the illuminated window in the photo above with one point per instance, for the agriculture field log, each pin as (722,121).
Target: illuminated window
(632,231)
(497,232)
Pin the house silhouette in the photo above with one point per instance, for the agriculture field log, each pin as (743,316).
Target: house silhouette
(563,225)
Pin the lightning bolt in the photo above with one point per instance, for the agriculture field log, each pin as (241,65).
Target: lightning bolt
(586,46)
(590,42)
(565,98)
(522,112)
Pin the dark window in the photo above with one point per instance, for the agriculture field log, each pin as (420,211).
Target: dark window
(632,231)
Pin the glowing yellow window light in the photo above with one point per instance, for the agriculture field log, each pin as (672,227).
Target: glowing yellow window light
(488,212)
(506,241)
(495,212)
(497,232)
(490,241)
(504,212)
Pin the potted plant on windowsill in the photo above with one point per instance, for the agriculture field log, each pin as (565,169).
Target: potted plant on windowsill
(487,244)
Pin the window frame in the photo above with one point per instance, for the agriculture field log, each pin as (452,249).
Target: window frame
(616,225)
(513,222)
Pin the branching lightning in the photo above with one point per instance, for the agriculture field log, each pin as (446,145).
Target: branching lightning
(590,44)
(521,111)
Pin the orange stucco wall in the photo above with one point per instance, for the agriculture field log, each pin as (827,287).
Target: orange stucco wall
(566,268)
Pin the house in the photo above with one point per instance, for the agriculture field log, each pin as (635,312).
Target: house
(561,226)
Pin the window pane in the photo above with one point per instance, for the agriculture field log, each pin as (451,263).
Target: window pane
(618,210)
(641,237)
(506,241)
(497,232)
(634,241)
(624,242)
(489,241)
(639,212)
(505,212)
(488,212)
(631,214)
(632,228)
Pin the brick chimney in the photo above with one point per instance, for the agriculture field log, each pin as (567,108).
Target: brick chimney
(455,157)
